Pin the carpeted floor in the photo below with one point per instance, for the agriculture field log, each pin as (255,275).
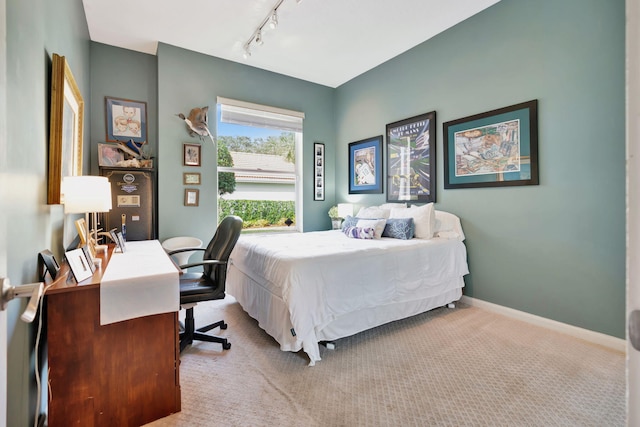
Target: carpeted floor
(449,367)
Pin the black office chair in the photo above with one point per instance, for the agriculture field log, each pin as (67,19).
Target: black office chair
(210,284)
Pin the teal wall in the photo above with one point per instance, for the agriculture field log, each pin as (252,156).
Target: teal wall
(34,30)
(125,74)
(187,79)
(556,250)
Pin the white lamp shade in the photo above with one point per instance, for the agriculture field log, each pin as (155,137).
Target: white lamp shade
(345,209)
(85,193)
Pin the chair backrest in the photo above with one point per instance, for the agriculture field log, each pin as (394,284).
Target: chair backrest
(220,247)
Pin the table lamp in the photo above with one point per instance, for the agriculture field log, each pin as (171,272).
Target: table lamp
(87,194)
(345,209)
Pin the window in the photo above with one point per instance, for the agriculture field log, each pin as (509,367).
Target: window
(258,164)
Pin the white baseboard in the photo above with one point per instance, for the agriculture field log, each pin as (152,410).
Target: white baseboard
(585,334)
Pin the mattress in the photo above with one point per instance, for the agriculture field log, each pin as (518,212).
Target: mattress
(298,285)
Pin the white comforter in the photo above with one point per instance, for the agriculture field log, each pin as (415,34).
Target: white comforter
(323,275)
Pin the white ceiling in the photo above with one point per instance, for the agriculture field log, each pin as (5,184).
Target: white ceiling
(322,41)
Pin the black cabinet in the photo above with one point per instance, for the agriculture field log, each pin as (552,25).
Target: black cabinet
(134,202)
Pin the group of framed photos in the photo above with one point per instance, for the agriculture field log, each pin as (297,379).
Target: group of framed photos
(82,260)
(191,154)
(491,149)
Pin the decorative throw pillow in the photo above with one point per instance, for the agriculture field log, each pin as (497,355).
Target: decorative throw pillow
(423,218)
(399,228)
(359,233)
(349,221)
(376,224)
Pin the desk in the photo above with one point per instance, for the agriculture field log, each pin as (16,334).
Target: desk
(120,374)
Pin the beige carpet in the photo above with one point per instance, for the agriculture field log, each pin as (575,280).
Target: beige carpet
(448,367)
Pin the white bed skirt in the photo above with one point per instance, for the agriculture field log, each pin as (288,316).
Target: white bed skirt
(273,316)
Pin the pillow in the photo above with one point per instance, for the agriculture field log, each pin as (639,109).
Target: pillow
(359,233)
(349,221)
(389,206)
(399,228)
(423,218)
(376,224)
(373,212)
(447,226)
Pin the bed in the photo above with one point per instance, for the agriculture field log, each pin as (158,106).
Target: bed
(305,288)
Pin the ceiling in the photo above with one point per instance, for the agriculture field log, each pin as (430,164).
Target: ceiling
(328,42)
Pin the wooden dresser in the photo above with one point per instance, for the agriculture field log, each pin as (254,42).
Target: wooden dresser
(120,374)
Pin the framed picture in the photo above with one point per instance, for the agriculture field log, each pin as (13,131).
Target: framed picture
(90,257)
(191,154)
(47,263)
(79,264)
(191,197)
(318,171)
(191,178)
(66,128)
(126,120)
(493,149)
(365,166)
(411,159)
(109,155)
(81,228)
(118,239)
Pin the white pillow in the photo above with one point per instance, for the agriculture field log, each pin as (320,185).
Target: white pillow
(448,226)
(423,218)
(390,206)
(376,224)
(373,212)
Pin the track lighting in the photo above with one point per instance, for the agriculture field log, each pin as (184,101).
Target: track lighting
(273,22)
(257,37)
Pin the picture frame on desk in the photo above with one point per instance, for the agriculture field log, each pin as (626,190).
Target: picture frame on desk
(81,267)
(47,263)
(118,239)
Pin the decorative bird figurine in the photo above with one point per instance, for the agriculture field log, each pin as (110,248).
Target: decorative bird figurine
(197,122)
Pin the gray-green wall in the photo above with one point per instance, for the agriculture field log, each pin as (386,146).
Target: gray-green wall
(186,80)
(35,30)
(556,250)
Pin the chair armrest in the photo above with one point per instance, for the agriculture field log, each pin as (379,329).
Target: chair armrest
(176,251)
(204,262)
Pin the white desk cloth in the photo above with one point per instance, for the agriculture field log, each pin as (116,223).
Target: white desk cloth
(139,282)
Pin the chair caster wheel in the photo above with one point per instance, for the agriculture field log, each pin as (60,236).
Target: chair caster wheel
(223,326)
(226,346)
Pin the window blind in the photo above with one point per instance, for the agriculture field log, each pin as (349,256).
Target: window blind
(249,114)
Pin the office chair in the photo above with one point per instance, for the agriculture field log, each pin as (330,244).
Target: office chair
(210,284)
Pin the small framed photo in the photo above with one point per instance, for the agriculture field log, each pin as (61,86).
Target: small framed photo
(118,239)
(126,120)
(191,178)
(191,154)
(80,265)
(81,228)
(191,197)
(109,155)
(365,166)
(318,171)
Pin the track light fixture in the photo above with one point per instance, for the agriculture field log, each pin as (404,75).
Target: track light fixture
(273,22)
(257,36)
